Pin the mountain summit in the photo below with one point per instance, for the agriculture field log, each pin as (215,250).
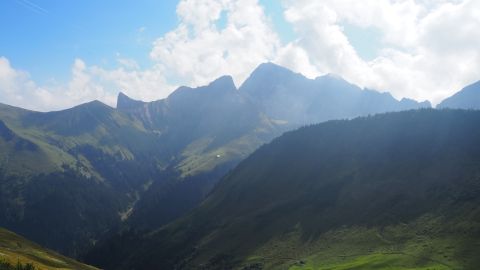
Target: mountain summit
(124,102)
(293,98)
(143,164)
(467,98)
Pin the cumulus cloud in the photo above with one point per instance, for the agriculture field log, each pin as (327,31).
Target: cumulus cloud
(198,50)
(86,83)
(18,89)
(429,50)
(148,84)
(320,39)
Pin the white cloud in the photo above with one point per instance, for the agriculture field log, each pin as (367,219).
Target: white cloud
(321,39)
(17,89)
(149,84)
(194,53)
(430,50)
(197,51)
(86,83)
(128,63)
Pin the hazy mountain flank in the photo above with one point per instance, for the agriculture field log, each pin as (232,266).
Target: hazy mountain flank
(467,98)
(392,191)
(92,170)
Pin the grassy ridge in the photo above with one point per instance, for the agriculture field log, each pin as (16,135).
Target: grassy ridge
(66,176)
(14,248)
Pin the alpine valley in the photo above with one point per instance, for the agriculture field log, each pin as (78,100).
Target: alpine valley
(204,179)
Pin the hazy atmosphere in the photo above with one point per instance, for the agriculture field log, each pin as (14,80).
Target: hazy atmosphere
(240,135)
(54,55)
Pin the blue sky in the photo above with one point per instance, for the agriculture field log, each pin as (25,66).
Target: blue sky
(55,54)
(56,32)
(98,31)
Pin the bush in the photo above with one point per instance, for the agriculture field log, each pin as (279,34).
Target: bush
(4,265)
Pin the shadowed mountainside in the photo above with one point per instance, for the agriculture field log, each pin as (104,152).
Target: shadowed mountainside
(399,190)
(93,169)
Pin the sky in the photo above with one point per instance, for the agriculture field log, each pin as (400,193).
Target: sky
(58,54)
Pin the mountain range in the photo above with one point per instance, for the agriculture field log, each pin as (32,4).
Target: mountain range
(70,178)
(390,191)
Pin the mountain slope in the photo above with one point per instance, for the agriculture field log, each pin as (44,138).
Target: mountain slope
(222,125)
(14,248)
(75,168)
(89,168)
(290,97)
(467,98)
(395,190)
(207,117)
(93,169)
(205,131)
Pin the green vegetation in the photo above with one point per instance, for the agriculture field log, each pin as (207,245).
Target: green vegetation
(4,265)
(70,177)
(421,244)
(83,168)
(391,191)
(66,176)
(17,253)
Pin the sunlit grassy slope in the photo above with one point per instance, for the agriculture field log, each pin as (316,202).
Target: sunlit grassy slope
(14,248)
(427,243)
(66,176)
(60,165)
(147,163)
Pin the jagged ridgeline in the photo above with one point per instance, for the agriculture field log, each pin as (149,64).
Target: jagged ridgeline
(391,191)
(69,177)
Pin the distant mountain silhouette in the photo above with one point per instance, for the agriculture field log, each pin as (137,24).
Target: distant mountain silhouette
(467,98)
(93,168)
(284,95)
